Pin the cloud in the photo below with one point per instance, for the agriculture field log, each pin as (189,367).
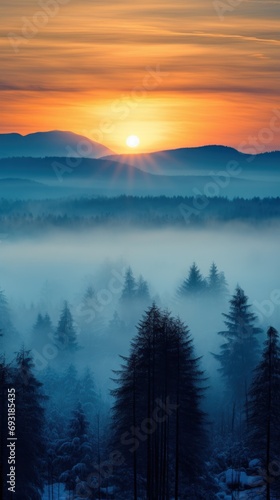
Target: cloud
(93,53)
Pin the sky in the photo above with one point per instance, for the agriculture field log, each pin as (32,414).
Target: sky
(176,74)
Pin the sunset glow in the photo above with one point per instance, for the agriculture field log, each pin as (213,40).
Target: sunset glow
(132,141)
(184,74)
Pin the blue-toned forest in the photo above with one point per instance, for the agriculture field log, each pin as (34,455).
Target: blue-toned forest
(123,391)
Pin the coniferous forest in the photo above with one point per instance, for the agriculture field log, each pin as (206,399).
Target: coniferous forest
(139,250)
(125,392)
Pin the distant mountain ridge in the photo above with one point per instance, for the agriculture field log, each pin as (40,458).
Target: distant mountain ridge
(94,177)
(202,171)
(200,161)
(53,143)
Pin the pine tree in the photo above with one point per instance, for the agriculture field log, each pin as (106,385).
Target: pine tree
(239,354)
(264,411)
(194,284)
(65,335)
(142,290)
(130,287)
(42,332)
(10,339)
(75,452)
(30,427)
(157,420)
(216,282)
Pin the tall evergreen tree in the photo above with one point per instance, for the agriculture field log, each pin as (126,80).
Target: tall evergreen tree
(65,335)
(239,354)
(10,338)
(42,332)
(75,452)
(158,423)
(195,284)
(264,412)
(216,282)
(129,288)
(30,427)
(142,290)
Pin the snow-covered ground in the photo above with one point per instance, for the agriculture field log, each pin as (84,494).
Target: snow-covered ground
(244,484)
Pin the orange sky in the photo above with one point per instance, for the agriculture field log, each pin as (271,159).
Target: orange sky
(173,73)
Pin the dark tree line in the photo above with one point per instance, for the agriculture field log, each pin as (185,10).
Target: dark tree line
(36,216)
(28,427)
(264,413)
(240,351)
(157,418)
(158,422)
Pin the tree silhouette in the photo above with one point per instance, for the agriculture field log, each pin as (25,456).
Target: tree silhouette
(42,331)
(194,284)
(129,288)
(157,420)
(75,452)
(30,426)
(217,284)
(65,336)
(264,410)
(239,354)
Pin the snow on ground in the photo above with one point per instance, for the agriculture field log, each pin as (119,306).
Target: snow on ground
(245,484)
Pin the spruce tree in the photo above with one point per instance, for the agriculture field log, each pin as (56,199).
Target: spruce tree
(10,338)
(239,353)
(30,428)
(130,287)
(217,284)
(157,420)
(65,335)
(264,412)
(75,452)
(42,332)
(142,290)
(195,284)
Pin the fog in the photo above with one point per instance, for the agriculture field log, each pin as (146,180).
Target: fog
(37,275)
(246,254)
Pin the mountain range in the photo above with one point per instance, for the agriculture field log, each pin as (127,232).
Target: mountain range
(201,161)
(53,143)
(204,171)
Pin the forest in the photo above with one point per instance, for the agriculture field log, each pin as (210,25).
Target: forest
(172,419)
(31,217)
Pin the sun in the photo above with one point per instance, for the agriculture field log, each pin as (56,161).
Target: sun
(132,141)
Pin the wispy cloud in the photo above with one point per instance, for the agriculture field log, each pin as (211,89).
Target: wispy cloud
(93,53)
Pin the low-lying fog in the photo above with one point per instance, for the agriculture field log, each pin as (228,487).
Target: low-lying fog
(37,275)
(248,256)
